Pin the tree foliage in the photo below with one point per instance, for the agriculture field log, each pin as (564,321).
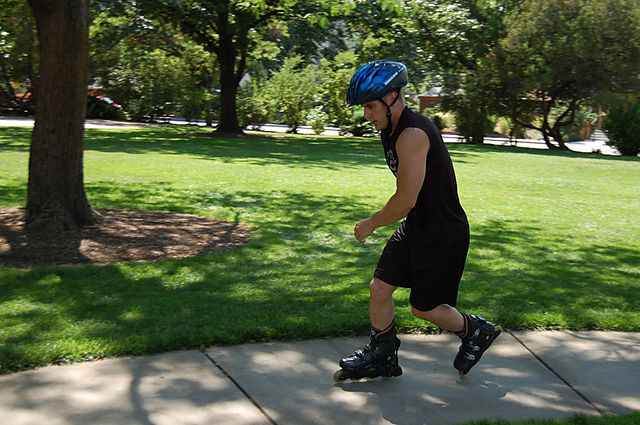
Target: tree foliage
(227,29)
(458,37)
(295,87)
(623,126)
(18,57)
(150,68)
(558,54)
(255,104)
(336,76)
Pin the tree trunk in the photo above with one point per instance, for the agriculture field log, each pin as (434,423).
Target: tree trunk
(228,87)
(552,132)
(557,136)
(546,128)
(56,196)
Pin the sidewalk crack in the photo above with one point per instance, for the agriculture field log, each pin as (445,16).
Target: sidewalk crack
(546,365)
(242,390)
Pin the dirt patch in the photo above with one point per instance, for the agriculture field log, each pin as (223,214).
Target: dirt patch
(121,236)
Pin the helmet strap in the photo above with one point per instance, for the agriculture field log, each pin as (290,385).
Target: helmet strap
(388,130)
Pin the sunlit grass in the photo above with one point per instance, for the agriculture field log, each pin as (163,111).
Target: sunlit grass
(555,244)
(628,419)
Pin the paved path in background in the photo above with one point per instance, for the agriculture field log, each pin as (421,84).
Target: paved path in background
(524,375)
(91,123)
(585,146)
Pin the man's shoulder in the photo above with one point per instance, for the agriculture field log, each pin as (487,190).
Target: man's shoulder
(413,139)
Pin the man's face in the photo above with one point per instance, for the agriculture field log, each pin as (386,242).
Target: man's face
(376,112)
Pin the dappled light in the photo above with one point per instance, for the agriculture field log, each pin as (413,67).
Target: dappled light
(119,236)
(302,274)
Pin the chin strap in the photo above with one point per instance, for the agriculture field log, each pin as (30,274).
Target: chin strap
(387,131)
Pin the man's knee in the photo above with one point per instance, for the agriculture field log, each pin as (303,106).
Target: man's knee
(417,312)
(426,315)
(380,289)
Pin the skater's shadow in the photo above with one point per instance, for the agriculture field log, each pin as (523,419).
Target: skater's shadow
(421,399)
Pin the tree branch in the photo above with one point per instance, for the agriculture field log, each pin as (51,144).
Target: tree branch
(470,65)
(572,108)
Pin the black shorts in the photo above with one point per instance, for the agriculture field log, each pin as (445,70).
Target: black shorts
(431,266)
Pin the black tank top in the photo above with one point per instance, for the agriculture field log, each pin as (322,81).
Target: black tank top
(437,211)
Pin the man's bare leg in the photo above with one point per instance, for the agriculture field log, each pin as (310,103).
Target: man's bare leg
(444,316)
(477,333)
(380,356)
(381,308)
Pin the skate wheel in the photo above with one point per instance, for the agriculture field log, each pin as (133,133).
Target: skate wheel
(461,373)
(339,376)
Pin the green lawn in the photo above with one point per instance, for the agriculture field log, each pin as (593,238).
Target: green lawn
(628,419)
(555,244)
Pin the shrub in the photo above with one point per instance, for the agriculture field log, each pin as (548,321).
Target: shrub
(104,108)
(358,125)
(317,119)
(623,127)
(438,121)
(255,104)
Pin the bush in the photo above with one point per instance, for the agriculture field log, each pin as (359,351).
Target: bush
(438,121)
(506,127)
(623,127)
(255,104)
(294,87)
(317,119)
(104,108)
(358,125)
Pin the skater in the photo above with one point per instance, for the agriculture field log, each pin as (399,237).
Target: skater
(428,251)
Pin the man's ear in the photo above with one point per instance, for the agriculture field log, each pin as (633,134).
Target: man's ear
(392,96)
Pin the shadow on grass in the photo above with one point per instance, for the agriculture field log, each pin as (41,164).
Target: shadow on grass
(454,148)
(297,263)
(318,151)
(313,150)
(302,275)
(16,139)
(549,281)
(13,192)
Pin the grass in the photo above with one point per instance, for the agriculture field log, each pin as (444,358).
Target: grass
(628,419)
(555,244)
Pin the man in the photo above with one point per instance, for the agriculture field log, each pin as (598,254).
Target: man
(428,251)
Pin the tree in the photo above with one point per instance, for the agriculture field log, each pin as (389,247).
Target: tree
(294,88)
(125,46)
(255,103)
(458,36)
(152,84)
(228,29)
(558,54)
(336,77)
(623,126)
(18,57)
(56,196)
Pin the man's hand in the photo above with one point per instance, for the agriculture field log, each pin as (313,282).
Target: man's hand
(363,229)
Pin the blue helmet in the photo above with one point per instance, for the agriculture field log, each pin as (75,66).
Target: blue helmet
(375,79)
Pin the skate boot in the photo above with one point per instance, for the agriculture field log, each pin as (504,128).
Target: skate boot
(479,335)
(378,358)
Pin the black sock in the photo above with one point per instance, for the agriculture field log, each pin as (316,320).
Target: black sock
(465,330)
(381,332)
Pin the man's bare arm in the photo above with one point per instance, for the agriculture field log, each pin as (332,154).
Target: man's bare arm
(412,148)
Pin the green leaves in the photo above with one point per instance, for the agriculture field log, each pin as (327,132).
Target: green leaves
(294,88)
(565,51)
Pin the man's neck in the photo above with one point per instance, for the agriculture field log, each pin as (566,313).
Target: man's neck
(396,112)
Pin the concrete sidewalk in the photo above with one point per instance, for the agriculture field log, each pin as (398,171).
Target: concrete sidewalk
(524,375)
